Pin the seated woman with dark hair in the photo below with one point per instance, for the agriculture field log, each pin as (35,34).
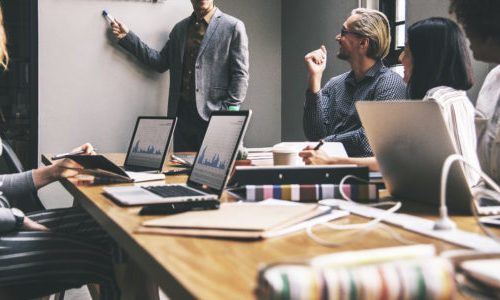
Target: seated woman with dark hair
(437,68)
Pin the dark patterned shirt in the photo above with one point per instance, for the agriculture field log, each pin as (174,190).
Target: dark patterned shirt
(195,33)
(331,115)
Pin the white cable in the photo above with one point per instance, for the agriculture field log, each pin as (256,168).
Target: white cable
(357,235)
(364,228)
(344,195)
(446,169)
(368,224)
(475,196)
(395,235)
(342,182)
(353,238)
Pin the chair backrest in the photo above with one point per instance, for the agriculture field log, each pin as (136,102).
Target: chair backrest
(13,163)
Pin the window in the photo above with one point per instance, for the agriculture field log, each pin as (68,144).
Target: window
(395,10)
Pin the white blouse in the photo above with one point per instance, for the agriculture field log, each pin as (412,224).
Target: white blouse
(488,124)
(458,114)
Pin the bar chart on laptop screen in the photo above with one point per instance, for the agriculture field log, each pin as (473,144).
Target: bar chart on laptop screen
(149,142)
(215,153)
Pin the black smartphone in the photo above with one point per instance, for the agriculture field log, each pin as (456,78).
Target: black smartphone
(178,172)
(178,207)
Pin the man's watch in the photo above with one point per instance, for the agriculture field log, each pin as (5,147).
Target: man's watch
(19,215)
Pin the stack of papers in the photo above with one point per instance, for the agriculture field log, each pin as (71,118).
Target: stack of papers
(265,153)
(330,148)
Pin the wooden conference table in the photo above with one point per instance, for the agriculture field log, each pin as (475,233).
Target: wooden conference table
(187,267)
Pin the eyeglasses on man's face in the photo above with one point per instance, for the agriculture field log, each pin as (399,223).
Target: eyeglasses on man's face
(344,32)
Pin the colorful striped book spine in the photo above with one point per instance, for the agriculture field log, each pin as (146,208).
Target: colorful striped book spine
(311,192)
(430,278)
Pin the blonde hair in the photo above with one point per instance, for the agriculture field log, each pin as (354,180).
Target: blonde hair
(374,25)
(4,54)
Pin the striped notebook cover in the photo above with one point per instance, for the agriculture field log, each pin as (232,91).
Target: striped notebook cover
(311,192)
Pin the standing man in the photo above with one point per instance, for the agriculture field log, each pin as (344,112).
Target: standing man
(480,20)
(207,55)
(329,112)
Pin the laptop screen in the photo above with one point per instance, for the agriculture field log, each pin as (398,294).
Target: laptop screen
(218,150)
(149,142)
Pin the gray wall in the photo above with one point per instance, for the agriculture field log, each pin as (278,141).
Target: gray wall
(306,26)
(91,90)
(262,19)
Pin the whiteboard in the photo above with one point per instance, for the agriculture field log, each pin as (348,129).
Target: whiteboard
(90,89)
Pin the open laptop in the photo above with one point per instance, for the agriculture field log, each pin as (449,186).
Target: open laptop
(145,156)
(210,170)
(411,142)
(149,144)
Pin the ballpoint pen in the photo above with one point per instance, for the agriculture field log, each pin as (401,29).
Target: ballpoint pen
(181,161)
(321,142)
(64,155)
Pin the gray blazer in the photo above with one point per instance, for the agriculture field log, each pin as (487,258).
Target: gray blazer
(221,66)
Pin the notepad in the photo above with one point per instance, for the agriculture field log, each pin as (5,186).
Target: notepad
(241,220)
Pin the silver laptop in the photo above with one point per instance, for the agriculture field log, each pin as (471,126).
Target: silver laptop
(146,154)
(210,170)
(149,144)
(411,142)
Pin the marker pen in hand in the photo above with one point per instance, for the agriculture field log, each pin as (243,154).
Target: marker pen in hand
(108,17)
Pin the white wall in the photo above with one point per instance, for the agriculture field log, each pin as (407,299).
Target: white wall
(92,90)
(89,88)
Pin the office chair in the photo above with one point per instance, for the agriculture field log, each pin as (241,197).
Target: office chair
(14,165)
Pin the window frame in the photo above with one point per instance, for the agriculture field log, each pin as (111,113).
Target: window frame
(388,7)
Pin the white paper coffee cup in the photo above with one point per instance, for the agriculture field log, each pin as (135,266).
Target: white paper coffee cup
(286,156)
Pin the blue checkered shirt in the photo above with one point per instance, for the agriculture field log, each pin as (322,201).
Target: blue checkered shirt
(331,115)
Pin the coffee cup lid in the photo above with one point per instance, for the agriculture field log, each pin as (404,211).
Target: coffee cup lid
(285,150)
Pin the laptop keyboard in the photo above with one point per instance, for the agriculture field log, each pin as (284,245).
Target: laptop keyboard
(167,191)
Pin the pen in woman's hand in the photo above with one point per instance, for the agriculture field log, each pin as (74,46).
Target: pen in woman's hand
(65,155)
(321,142)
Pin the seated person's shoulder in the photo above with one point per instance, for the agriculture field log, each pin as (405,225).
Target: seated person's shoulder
(334,82)
(387,74)
(339,78)
(392,83)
